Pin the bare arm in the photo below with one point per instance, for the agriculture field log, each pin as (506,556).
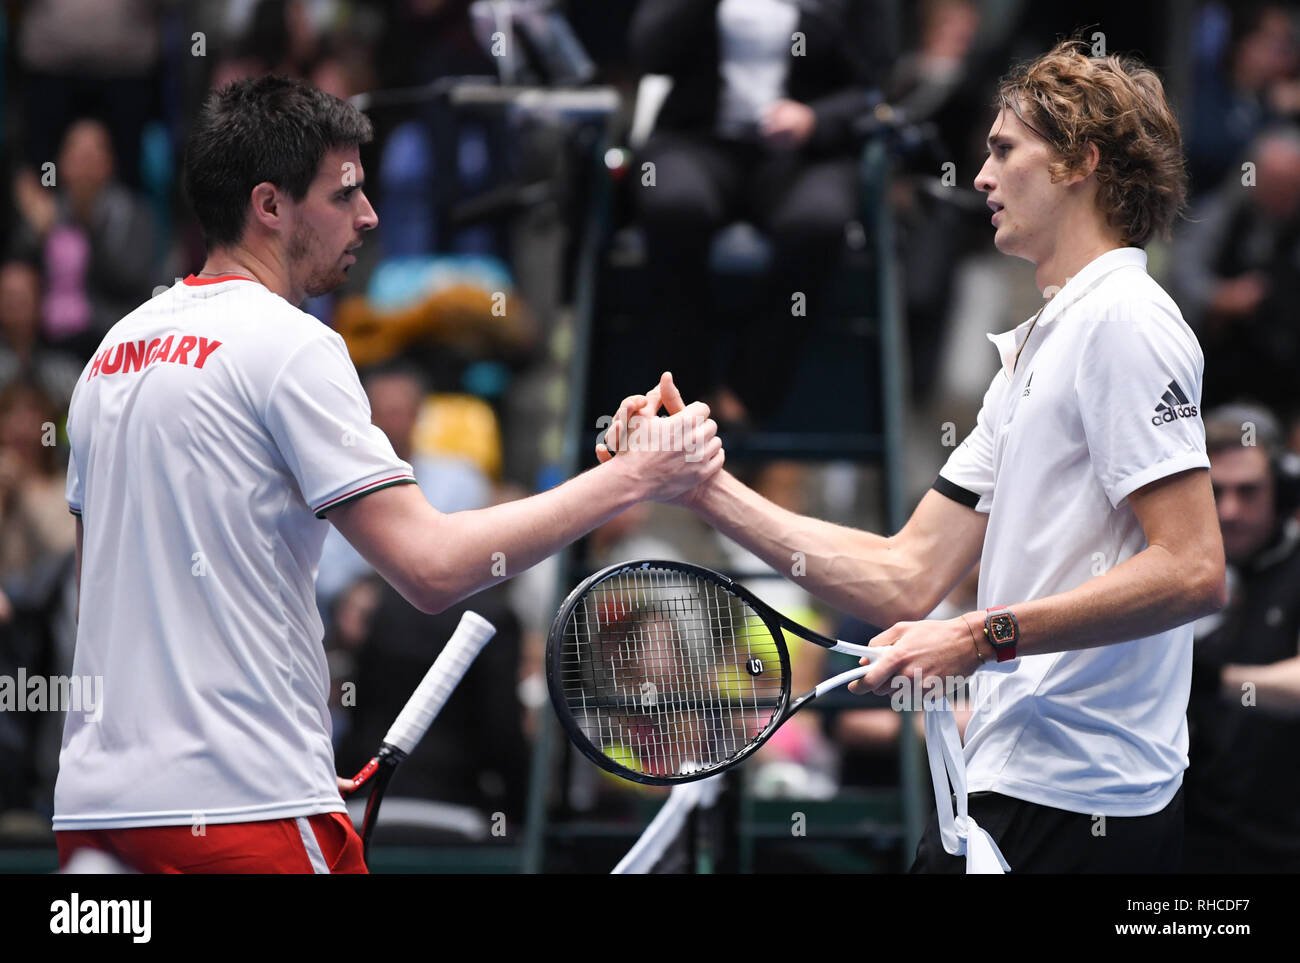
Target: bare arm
(1277,685)
(880,579)
(1178,577)
(434,560)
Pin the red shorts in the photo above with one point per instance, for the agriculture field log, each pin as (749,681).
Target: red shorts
(324,843)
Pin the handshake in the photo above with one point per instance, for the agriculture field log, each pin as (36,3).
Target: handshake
(668,459)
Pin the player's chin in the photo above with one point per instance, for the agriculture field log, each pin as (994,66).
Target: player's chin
(1010,245)
(326,284)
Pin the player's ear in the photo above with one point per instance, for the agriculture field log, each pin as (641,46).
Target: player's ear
(1091,158)
(267,205)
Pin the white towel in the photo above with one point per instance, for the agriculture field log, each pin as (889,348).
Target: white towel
(960,833)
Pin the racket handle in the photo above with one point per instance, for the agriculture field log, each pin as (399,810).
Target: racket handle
(852,648)
(843,678)
(443,676)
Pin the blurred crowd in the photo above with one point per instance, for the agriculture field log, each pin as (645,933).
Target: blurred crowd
(742,128)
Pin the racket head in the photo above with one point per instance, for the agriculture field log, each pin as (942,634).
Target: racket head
(665,672)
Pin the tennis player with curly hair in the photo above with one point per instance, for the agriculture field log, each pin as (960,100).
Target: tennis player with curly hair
(1083,492)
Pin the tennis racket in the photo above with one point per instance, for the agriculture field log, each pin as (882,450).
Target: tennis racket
(425,703)
(663,672)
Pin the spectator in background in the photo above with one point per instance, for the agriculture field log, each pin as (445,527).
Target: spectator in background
(759,126)
(629,536)
(88,58)
(1237,273)
(21,351)
(869,736)
(1244,713)
(474,755)
(939,82)
(292,38)
(94,238)
(33,513)
(451,484)
(37,536)
(1245,79)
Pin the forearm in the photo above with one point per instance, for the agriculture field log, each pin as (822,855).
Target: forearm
(472,550)
(1153,591)
(1276,686)
(856,572)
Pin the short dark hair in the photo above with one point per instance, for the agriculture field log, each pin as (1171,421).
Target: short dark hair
(270,128)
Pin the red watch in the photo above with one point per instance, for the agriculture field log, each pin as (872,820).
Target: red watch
(1003,632)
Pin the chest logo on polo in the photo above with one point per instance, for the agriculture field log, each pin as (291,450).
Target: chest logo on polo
(1173,404)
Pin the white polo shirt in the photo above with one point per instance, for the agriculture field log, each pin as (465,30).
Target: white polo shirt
(211,431)
(1105,399)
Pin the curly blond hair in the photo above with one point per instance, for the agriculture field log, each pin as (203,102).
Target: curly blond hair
(1071,99)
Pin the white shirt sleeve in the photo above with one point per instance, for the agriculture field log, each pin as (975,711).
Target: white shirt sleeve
(967,475)
(319,416)
(72,492)
(1138,386)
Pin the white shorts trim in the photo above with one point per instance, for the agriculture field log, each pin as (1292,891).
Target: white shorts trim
(318,864)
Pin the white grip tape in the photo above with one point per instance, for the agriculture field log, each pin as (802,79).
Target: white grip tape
(872,652)
(443,676)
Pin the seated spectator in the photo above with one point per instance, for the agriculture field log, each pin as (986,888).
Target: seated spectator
(93,236)
(756,128)
(33,513)
(1236,277)
(474,755)
(1244,80)
(1244,713)
(88,58)
(37,539)
(21,351)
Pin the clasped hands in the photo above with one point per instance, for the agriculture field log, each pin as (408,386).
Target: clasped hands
(669,458)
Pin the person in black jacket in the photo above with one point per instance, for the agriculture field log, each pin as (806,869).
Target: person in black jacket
(1243,717)
(474,755)
(758,126)
(1235,270)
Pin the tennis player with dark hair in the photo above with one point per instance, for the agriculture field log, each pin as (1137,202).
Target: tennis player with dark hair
(214,433)
(1083,491)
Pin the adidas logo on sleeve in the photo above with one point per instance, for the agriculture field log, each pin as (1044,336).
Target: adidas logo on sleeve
(1173,404)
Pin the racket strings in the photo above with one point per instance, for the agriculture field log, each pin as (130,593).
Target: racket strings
(669,674)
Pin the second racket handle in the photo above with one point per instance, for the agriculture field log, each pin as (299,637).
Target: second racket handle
(443,676)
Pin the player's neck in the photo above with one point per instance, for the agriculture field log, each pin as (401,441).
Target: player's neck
(241,262)
(1076,246)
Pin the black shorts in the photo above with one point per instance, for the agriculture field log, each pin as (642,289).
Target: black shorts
(1040,839)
